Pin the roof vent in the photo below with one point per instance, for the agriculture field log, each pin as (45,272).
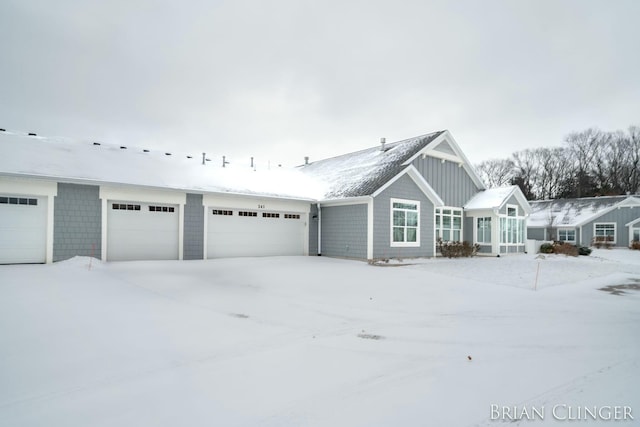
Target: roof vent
(306,160)
(189,157)
(122,147)
(96,143)
(2,130)
(252,162)
(383,141)
(32,134)
(145,150)
(167,154)
(224,161)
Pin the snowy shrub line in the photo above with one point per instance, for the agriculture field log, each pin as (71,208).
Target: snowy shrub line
(457,249)
(564,249)
(602,242)
(635,245)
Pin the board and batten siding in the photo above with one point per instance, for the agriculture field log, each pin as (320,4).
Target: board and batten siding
(403,188)
(344,231)
(621,216)
(452,182)
(193,243)
(77,222)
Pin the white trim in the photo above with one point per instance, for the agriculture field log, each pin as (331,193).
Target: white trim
(566,229)
(346,201)
(631,229)
(446,136)
(615,231)
(370,229)
(443,156)
(405,244)
(205,232)
(255,203)
(319,229)
(452,208)
(475,229)
(632,223)
(181,231)
(105,209)
(419,180)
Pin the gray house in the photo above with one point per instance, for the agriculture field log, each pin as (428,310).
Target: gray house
(614,219)
(61,198)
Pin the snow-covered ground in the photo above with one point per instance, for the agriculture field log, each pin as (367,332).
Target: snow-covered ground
(312,341)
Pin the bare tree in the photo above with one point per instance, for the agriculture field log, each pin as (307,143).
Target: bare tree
(496,172)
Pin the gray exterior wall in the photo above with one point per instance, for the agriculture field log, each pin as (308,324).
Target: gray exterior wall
(77,222)
(193,244)
(344,231)
(313,230)
(512,249)
(452,183)
(403,188)
(467,228)
(621,216)
(535,233)
(512,201)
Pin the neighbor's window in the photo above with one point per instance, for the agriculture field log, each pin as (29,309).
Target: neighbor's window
(567,235)
(449,224)
(484,230)
(605,232)
(636,234)
(405,223)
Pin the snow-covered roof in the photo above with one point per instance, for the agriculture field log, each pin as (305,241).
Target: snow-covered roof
(491,198)
(84,161)
(363,172)
(572,212)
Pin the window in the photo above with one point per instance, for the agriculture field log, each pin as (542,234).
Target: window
(635,234)
(405,223)
(270,215)
(245,213)
(484,230)
(222,212)
(449,224)
(161,209)
(125,207)
(512,227)
(18,201)
(567,235)
(292,216)
(605,232)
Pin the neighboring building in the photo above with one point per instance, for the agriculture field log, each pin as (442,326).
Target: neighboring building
(612,219)
(62,198)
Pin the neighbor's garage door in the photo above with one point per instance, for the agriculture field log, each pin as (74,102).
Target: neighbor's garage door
(141,231)
(23,229)
(236,233)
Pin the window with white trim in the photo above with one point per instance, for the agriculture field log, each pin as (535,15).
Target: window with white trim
(605,232)
(512,227)
(567,235)
(483,234)
(405,222)
(449,224)
(635,234)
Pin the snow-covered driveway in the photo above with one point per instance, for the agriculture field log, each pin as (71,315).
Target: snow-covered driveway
(315,341)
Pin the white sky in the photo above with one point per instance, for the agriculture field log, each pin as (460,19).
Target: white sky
(279,80)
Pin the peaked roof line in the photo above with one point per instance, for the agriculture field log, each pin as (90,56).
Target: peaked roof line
(388,146)
(618,202)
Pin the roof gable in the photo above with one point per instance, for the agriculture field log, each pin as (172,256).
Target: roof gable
(575,212)
(363,172)
(496,198)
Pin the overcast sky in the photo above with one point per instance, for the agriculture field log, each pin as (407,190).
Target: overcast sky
(280,80)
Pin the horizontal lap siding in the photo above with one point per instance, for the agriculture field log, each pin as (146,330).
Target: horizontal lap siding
(344,231)
(452,183)
(77,226)
(621,216)
(313,230)
(193,245)
(403,188)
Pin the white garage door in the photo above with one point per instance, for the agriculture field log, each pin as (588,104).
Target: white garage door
(141,231)
(23,229)
(235,233)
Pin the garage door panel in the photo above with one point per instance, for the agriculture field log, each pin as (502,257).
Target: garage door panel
(23,232)
(141,234)
(236,236)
